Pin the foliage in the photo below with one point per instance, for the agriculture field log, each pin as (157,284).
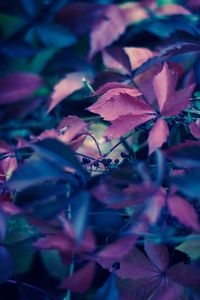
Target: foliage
(100,150)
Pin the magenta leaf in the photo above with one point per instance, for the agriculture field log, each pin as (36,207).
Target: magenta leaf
(124,124)
(158,135)
(183,211)
(117,102)
(15,87)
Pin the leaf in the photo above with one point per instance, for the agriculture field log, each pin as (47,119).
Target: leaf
(10,24)
(40,194)
(136,265)
(73,126)
(183,211)
(138,55)
(167,52)
(71,83)
(115,251)
(164,84)
(170,102)
(191,247)
(124,124)
(185,274)
(53,35)
(53,263)
(109,290)
(107,29)
(80,280)
(23,256)
(195,129)
(81,16)
(3,225)
(188,183)
(7,264)
(118,102)
(59,154)
(35,171)
(115,58)
(15,87)
(40,60)
(158,254)
(31,7)
(186,155)
(79,213)
(170,8)
(158,135)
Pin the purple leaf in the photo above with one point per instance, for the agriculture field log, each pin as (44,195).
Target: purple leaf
(186,155)
(158,254)
(185,274)
(15,87)
(115,58)
(183,211)
(107,29)
(80,280)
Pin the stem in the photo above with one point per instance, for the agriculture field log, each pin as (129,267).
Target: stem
(96,143)
(32,287)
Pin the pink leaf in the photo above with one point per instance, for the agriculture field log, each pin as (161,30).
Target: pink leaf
(110,86)
(114,95)
(137,56)
(170,101)
(80,280)
(158,135)
(183,211)
(107,29)
(124,124)
(15,87)
(158,254)
(172,9)
(72,127)
(164,84)
(178,101)
(71,83)
(195,129)
(118,102)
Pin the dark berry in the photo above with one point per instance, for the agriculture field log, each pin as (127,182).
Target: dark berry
(96,164)
(116,161)
(85,161)
(109,160)
(124,155)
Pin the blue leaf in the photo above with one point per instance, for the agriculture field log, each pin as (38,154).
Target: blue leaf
(109,290)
